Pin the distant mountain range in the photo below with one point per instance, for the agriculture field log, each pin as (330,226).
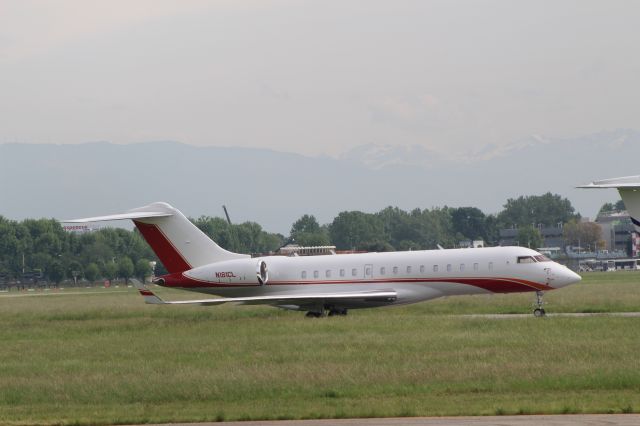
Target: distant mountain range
(276,188)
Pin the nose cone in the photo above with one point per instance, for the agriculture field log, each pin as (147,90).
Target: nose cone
(564,277)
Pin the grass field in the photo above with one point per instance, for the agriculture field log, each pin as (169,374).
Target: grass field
(102,356)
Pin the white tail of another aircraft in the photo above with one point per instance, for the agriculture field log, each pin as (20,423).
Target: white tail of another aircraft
(177,242)
(629,189)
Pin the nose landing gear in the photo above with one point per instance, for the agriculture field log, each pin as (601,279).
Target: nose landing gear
(539,310)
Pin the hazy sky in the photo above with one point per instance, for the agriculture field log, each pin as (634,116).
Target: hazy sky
(316,77)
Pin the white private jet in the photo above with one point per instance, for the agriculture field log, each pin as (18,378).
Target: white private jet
(331,284)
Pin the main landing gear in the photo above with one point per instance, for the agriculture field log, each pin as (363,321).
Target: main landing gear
(327,311)
(539,310)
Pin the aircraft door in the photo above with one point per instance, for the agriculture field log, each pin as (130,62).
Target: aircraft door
(368,272)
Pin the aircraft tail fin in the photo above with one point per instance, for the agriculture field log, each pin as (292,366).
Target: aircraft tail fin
(629,189)
(177,242)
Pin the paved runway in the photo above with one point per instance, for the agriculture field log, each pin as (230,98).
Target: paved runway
(559,420)
(7,295)
(554,315)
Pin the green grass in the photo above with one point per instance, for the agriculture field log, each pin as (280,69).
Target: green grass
(105,357)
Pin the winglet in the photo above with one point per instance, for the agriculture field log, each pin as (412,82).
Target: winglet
(149,296)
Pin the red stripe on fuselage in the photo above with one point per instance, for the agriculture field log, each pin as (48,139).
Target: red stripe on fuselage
(163,248)
(493,284)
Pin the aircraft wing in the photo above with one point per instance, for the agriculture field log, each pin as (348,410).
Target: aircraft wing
(295,299)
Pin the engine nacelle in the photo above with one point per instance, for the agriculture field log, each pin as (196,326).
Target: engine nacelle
(262,273)
(238,271)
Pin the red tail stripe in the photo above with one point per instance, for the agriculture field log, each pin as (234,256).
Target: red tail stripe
(163,248)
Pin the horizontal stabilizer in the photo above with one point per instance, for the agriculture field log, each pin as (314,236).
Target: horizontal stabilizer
(122,216)
(178,243)
(383,296)
(623,182)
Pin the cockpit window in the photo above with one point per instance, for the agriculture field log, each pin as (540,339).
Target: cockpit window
(542,258)
(526,259)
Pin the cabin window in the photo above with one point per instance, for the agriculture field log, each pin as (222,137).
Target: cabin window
(435,268)
(408,269)
(342,272)
(448,267)
(304,275)
(476,266)
(422,269)
(367,271)
(382,271)
(461,267)
(491,266)
(395,270)
(526,259)
(316,274)
(354,272)
(328,273)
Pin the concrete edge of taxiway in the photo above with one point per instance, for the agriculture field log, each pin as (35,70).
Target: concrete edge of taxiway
(535,420)
(554,315)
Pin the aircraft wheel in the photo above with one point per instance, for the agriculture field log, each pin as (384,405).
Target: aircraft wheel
(539,312)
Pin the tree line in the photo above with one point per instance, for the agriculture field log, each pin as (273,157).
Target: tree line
(42,250)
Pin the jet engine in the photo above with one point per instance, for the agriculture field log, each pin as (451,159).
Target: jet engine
(237,271)
(262,273)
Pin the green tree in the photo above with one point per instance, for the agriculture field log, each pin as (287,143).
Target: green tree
(125,268)
(470,222)
(56,272)
(307,223)
(142,269)
(398,226)
(377,246)
(306,231)
(74,270)
(436,228)
(528,236)
(248,237)
(612,207)
(110,270)
(91,272)
(583,234)
(354,229)
(548,209)
(606,208)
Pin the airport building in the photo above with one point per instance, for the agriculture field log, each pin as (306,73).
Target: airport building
(551,236)
(296,250)
(618,234)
